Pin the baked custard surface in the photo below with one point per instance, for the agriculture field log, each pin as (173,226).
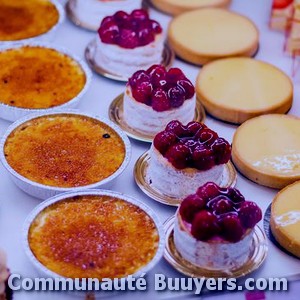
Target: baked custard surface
(21,19)
(64,150)
(93,236)
(38,77)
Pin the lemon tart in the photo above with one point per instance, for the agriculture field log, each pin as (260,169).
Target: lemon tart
(266,149)
(285,218)
(237,89)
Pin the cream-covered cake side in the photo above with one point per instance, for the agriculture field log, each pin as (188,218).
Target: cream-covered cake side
(124,61)
(144,118)
(215,254)
(173,182)
(91,12)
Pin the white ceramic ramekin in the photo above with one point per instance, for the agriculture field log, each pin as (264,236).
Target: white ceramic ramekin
(31,217)
(43,191)
(13,113)
(44,37)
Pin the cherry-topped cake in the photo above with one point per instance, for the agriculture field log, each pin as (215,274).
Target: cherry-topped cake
(184,157)
(155,97)
(129,42)
(214,227)
(91,12)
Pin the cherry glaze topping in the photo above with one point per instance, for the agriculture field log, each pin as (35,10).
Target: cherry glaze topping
(219,212)
(129,30)
(160,88)
(193,145)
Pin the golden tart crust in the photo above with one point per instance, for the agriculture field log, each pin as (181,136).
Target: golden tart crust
(64,150)
(21,19)
(38,77)
(93,236)
(266,149)
(285,218)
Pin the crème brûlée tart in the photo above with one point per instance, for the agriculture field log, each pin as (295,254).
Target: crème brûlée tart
(64,150)
(93,236)
(285,218)
(266,149)
(26,19)
(37,77)
(237,89)
(176,7)
(206,34)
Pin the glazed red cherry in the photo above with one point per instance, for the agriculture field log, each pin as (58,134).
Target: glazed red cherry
(176,127)
(208,191)
(190,206)
(250,214)
(122,18)
(109,32)
(107,20)
(188,87)
(128,39)
(232,229)
(178,155)
(174,74)
(222,206)
(160,101)
(138,77)
(193,127)
(222,151)
(203,158)
(142,92)
(204,226)
(145,36)
(140,14)
(176,96)
(234,194)
(157,74)
(164,140)
(280,4)
(156,27)
(207,136)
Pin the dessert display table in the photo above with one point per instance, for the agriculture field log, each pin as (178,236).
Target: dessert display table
(15,205)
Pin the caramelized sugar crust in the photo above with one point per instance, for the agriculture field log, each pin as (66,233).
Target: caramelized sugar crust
(37,77)
(21,19)
(93,236)
(64,150)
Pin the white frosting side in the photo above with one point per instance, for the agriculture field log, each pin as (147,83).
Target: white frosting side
(144,118)
(3,272)
(127,61)
(91,12)
(178,183)
(211,255)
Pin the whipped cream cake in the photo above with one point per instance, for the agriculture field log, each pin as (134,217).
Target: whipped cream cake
(281,14)
(129,42)
(206,34)
(239,88)
(91,12)
(155,97)
(5,291)
(184,157)
(26,19)
(176,7)
(285,218)
(266,149)
(214,227)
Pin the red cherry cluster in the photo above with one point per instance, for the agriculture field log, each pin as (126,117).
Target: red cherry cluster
(193,145)
(219,212)
(129,30)
(160,88)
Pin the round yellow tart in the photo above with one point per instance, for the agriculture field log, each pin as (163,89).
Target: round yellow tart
(285,218)
(266,149)
(176,7)
(38,77)
(21,19)
(240,88)
(206,34)
(64,150)
(94,236)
